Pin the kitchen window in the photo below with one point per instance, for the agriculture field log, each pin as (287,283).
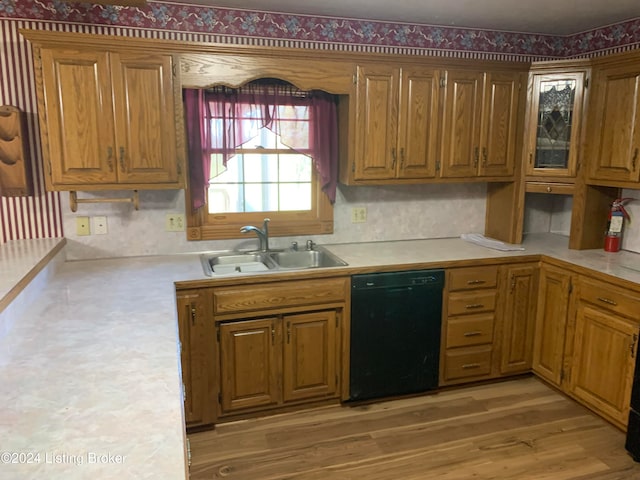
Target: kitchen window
(266,149)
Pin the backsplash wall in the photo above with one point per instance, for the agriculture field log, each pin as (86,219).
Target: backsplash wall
(412,211)
(393,213)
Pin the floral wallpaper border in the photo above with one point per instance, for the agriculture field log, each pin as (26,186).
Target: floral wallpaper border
(324,31)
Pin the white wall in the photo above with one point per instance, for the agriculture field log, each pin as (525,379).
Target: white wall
(393,213)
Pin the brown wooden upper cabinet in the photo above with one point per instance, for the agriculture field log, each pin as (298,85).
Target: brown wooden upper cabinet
(396,122)
(553,126)
(108,120)
(480,123)
(613,142)
(419,123)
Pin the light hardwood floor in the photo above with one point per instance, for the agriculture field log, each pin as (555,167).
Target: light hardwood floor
(519,429)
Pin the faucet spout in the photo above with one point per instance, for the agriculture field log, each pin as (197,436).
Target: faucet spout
(263,234)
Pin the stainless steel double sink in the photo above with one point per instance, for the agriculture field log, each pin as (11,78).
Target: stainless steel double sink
(221,263)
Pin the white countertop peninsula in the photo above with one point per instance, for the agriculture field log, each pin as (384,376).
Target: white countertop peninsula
(91,372)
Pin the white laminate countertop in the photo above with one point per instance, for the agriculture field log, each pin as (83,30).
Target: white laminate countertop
(90,373)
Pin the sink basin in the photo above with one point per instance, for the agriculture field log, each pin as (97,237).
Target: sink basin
(221,263)
(234,262)
(317,258)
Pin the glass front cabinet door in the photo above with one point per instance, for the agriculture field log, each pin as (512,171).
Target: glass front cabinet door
(554,121)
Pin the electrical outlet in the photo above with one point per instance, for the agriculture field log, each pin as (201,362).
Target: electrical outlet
(99,226)
(174,222)
(82,226)
(358,215)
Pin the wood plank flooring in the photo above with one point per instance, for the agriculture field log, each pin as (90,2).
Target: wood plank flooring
(519,429)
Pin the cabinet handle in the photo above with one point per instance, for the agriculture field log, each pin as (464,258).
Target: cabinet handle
(401,157)
(633,345)
(288,332)
(393,158)
(467,366)
(476,156)
(122,159)
(513,282)
(110,158)
(472,334)
(474,305)
(606,300)
(633,160)
(273,336)
(475,282)
(530,158)
(193,314)
(484,156)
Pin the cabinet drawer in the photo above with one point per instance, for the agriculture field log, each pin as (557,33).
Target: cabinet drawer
(470,330)
(472,277)
(609,297)
(471,302)
(467,362)
(278,295)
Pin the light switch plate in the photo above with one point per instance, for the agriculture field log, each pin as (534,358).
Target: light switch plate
(174,222)
(358,215)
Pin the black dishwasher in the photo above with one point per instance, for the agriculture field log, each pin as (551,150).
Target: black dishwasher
(395,333)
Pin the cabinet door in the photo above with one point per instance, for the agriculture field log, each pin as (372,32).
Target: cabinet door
(461,124)
(603,362)
(377,123)
(518,318)
(195,326)
(79,128)
(554,124)
(551,323)
(500,124)
(311,348)
(418,123)
(249,364)
(614,138)
(145,118)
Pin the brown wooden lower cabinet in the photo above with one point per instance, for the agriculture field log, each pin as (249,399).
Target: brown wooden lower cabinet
(197,357)
(603,362)
(551,323)
(519,289)
(269,362)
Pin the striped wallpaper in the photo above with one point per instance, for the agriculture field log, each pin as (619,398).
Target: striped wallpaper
(39,216)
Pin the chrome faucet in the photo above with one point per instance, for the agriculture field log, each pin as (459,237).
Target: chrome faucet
(263,235)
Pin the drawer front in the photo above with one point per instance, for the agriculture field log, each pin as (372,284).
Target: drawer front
(470,330)
(279,295)
(467,362)
(609,297)
(471,302)
(472,277)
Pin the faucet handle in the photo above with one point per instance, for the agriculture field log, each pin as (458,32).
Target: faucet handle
(294,246)
(310,244)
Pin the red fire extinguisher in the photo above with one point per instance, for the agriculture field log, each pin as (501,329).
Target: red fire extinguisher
(615,223)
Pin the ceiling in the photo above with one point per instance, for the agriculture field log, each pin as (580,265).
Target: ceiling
(553,17)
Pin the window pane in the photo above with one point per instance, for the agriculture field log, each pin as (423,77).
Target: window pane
(295,168)
(261,197)
(226,198)
(295,196)
(233,173)
(260,168)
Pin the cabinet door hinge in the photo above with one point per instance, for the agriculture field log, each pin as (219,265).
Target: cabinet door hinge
(586,82)
(437,165)
(355,79)
(443,82)
(570,286)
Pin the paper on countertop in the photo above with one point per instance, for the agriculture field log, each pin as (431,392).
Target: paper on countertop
(483,241)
